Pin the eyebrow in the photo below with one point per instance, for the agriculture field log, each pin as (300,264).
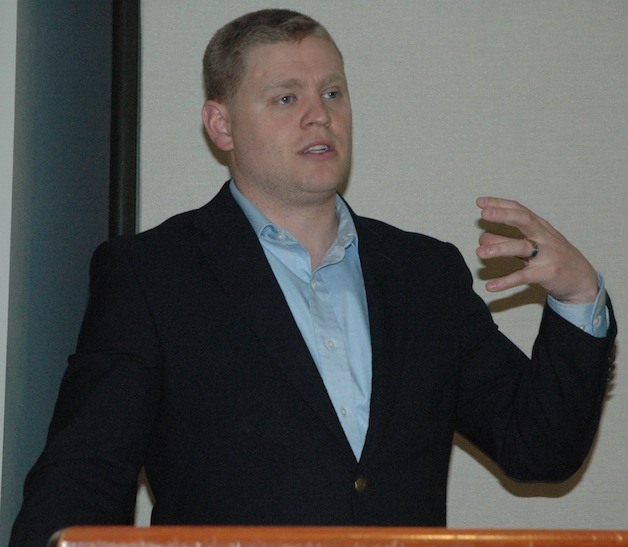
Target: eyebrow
(292,83)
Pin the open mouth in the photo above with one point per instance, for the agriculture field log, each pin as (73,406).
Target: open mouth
(317,149)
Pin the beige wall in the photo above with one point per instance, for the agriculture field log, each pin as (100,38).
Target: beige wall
(451,100)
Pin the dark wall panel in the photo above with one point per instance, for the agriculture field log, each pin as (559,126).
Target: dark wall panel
(60,212)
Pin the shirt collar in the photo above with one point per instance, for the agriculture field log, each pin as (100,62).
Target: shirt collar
(347,234)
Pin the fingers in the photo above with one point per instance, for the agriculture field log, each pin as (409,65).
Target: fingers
(549,259)
(486,201)
(511,213)
(494,246)
(510,281)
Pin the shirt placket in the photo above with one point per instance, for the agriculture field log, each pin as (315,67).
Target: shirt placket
(333,358)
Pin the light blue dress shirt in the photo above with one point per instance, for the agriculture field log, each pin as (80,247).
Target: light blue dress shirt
(330,308)
(591,318)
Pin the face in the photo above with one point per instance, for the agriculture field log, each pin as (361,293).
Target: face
(289,124)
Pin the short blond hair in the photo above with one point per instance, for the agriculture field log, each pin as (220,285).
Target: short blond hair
(224,61)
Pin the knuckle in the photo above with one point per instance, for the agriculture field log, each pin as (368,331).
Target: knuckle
(528,217)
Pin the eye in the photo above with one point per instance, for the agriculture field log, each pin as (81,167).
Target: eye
(286,99)
(331,94)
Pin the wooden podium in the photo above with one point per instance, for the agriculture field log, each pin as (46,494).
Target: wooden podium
(274,536)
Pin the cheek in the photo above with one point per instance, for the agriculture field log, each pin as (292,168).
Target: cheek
(344,122)
(258,135)
(247,140)
(263,151)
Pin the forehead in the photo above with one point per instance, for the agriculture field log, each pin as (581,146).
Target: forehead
(311,59)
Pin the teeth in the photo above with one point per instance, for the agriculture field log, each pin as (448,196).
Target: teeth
(318,148)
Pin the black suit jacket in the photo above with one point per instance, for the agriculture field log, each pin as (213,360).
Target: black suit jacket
(190,363)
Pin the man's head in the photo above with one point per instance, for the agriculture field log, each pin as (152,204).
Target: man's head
(279,108)
(224,61)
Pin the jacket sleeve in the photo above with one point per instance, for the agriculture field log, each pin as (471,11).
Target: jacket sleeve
(88,471)
(535,417)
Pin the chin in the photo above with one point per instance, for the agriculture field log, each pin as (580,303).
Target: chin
(330,182)
(323,187)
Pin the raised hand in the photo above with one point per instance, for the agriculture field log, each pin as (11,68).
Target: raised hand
(549,259)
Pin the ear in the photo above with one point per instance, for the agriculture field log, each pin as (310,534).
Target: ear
(216,121)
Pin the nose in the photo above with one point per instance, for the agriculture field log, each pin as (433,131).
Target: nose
(316,113)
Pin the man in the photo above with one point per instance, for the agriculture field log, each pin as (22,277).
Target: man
(272,358)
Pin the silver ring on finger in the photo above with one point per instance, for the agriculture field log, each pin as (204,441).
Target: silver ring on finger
(535,248)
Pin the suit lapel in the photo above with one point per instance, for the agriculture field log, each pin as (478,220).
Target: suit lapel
(387,320)
(238,261)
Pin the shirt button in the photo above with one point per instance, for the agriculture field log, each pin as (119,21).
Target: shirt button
(360,485)
(596,321)
(281,236)
(343,411)
(583,327)
(330,344)
(314,284)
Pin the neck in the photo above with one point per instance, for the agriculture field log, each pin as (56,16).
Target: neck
(313,223)
(315,227)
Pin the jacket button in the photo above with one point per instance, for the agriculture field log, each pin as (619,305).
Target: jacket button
(360,485)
